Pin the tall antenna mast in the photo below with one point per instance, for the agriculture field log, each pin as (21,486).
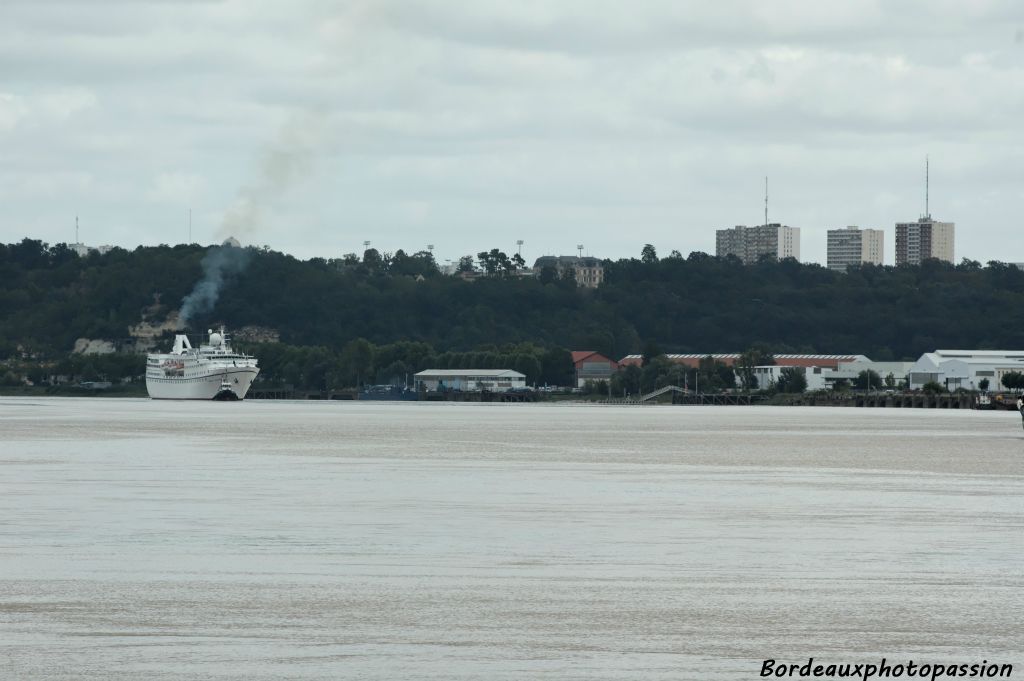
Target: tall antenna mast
(190,225)
(765,200)
(76,229)
(926,213)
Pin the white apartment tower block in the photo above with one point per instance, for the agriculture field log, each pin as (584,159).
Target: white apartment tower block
(926,238)
(854,246)
(750,244)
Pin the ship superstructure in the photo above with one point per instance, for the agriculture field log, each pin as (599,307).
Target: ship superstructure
(211,371)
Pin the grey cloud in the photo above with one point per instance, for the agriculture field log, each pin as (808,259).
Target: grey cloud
(557,122)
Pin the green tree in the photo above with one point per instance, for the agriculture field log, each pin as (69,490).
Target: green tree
(648,255)
(548,275)
(626,381)
(651,351)
(754,356)
(556,367)
(373,260)
(495,262)
(1013,380)
(868,379)
(529,365)
(395,373)
(357,361)
(792,380)
(983,384)
(711,376)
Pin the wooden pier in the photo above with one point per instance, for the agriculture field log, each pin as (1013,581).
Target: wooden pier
(292,394)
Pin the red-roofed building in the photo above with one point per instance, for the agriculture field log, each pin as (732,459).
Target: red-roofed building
(592,366)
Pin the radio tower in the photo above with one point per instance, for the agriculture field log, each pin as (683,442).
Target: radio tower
(765,200)
(927,214)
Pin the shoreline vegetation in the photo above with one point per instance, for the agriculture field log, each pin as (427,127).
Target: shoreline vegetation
(334,324)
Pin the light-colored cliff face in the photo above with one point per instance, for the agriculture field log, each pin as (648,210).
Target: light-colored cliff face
(151,328)
(155,324)
(94,346)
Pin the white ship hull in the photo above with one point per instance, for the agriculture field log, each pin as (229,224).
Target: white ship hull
(211,371)
(238,380)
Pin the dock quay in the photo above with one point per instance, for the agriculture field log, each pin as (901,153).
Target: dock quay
(915,400)
(892,400)
(447,396)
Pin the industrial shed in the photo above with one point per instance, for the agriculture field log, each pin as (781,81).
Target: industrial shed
(470,380)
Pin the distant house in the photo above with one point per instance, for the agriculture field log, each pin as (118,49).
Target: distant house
(470,380)
(592,366)
(588,272)
(82,250)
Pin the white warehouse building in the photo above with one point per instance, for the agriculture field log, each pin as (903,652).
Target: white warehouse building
(471,380)
(954,369)
(850,371)
(768,375)
(824,378)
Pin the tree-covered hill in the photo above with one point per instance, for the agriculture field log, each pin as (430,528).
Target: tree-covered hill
(49,297)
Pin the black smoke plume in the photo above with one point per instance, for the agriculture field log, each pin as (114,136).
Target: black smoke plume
(220,264)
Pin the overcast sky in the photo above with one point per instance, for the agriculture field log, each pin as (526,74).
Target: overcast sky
(312,126)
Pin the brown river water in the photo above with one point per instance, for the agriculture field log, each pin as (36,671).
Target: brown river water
(285,540)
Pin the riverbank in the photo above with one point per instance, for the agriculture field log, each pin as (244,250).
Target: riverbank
(121,390)
(907,400)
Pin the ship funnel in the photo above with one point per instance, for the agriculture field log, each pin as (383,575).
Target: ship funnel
(181,344)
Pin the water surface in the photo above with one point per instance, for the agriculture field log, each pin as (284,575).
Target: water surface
(264,540)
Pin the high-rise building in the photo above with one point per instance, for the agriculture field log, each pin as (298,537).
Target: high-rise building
(854,246)
(926,238)
(749,244)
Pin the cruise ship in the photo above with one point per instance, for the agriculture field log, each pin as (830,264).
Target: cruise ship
(213,371)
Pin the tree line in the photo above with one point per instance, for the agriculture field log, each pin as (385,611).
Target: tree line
(360,362)
(50,296)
